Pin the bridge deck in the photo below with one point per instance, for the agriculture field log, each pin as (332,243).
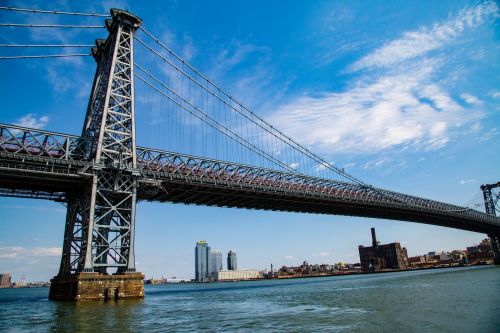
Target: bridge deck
(49,165)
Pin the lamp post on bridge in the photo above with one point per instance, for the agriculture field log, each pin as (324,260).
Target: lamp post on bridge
(98,251)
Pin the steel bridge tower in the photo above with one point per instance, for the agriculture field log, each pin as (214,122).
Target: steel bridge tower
(491,204)
(98,250)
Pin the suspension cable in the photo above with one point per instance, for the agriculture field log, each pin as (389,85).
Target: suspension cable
(40,11)
(414,201)
(268,128)
(212,93)
(45,45)
(227,130)
(17,25)
(45,56)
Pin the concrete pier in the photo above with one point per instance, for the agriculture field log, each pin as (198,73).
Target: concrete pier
(96,287)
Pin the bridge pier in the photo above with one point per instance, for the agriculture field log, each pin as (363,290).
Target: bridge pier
(96,287)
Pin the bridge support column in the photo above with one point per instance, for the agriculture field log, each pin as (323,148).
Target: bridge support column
(491,200)
(495,246)
(98,261)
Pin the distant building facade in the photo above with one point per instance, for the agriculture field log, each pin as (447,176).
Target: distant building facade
(481,251)
(232,264)
(238,275)
(202,261)
(215,259)
(5,280)
(382,256)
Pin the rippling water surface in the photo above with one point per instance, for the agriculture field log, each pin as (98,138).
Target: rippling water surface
(446,300)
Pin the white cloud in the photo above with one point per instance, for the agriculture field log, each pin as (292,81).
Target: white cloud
(19,252)
(470,99)
(402,108)
(321,254)
(495,94)
(417,43)
(30,120)
(468,181)
(289,257)
(404,105)
(294,165)
(489,135)
(375,163)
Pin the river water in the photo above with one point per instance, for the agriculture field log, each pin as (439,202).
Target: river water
(441,300)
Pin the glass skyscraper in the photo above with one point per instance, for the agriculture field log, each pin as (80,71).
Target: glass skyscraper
(202,261)
(231,261)
(215,262)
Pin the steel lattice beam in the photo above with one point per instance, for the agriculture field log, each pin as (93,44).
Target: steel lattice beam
(66,166)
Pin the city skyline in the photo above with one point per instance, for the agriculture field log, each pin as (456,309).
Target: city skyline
(438,159)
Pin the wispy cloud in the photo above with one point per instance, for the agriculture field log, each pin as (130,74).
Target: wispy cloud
(413,44)
(405,104)
(32,121)
(321,254)
(468,181)
(470,99)
(495,94)
(397,109)
(19,252)
(289,257)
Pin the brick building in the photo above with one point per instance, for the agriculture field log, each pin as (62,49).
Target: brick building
(382,256)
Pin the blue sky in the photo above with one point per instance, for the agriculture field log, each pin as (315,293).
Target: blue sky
(404,95)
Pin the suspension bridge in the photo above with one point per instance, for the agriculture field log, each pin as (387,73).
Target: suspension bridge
(231,157)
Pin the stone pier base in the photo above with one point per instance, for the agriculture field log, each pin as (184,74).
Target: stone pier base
(96,287)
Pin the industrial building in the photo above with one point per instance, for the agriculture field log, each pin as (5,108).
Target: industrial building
(382,256)
(238,275)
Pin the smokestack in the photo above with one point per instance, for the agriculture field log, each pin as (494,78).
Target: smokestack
(374,238)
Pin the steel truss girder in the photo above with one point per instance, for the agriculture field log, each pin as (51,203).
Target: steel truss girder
(32,142)
(161,164)
(35,157)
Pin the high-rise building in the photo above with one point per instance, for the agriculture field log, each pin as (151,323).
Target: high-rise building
(202,261)
(5,280)
(231,261)
(215,257)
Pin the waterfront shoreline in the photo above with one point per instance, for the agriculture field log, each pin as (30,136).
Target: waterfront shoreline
(341,274)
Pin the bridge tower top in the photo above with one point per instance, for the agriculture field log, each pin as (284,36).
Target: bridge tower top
(490,198)
(124,17)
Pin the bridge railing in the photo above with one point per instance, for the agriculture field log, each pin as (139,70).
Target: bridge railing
(157,162)
(35,142)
